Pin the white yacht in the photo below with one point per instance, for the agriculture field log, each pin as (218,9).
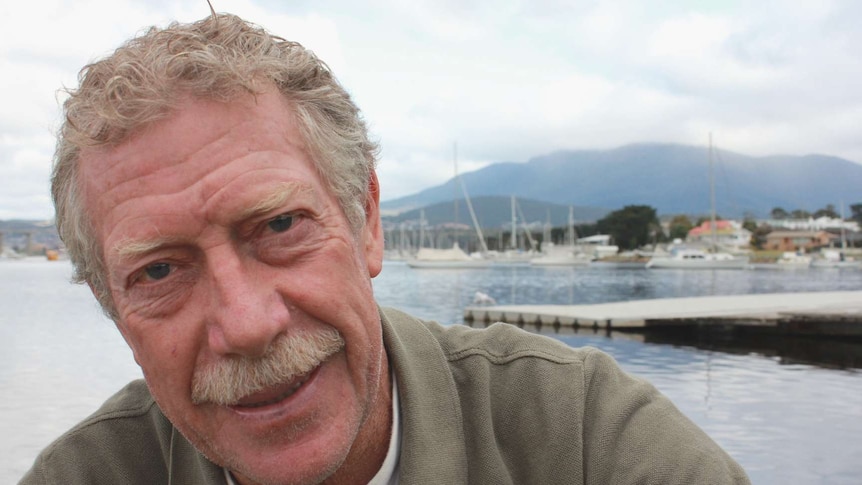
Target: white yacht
(831,258)
(686,258)
(787,260)
(568,254)
(454,257)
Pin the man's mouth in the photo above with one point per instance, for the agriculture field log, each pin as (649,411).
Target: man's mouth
(245,382)
(275,394)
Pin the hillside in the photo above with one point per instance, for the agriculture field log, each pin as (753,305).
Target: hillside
(672,178)
(495,211)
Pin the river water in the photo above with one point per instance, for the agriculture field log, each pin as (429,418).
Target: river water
(789,411)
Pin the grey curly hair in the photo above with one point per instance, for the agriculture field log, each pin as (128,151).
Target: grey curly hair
(218,58)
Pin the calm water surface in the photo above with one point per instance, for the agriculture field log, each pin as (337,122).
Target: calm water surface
(786,419)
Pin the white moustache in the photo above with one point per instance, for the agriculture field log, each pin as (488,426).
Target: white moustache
(291,356)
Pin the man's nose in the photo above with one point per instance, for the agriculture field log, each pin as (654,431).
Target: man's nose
(246,312)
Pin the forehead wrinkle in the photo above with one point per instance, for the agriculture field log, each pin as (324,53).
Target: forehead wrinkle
(131,248)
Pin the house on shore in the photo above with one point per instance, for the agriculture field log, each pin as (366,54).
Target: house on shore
(798,240)
(728,234)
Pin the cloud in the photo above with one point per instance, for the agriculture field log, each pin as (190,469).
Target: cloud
(506,80)
(23,191)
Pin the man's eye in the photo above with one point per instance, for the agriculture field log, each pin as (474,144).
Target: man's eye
(158,271)
(281,223)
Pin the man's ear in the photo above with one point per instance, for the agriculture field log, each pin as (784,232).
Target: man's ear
(373,232)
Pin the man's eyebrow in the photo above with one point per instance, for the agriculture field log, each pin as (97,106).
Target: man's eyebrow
(275,199)
(278,197)
(131,248)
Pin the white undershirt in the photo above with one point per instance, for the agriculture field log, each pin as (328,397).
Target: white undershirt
(388,473)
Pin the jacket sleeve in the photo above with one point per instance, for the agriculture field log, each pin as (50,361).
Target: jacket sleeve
(634,434)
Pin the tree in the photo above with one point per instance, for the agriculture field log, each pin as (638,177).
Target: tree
(758,234)
(856,212)
(828,211)
(702,219)
(800,214)
(778,213)
(631,227)
(679,227)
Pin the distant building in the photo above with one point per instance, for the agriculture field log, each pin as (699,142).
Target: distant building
(811,224)
(727,234)
(798,240)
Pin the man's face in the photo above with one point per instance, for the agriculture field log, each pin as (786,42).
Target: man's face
(220,242)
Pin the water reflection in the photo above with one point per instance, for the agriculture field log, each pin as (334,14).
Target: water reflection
(784,419)
(785,350)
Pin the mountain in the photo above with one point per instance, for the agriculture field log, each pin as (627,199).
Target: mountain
(21,235)
(496,211)
(674,179)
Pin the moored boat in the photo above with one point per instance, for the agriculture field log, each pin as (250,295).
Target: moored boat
(629,260)
(686,258)
(787,260)
(689,258)
(832,259)
(452,258)
(562,256)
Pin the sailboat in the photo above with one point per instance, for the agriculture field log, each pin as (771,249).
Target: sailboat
(568,254)
(837,259)
(692,258)
(454,257)
(514,254)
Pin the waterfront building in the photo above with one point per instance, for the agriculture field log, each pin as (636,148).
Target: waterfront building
(798,240)
(728,234)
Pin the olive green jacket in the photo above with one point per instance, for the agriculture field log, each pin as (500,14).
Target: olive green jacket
(489,406)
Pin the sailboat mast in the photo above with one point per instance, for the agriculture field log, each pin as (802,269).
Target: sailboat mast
(482,244)
(514,239)
(712,223)
(456,194)
(526,227)
(421,228)
(843,234)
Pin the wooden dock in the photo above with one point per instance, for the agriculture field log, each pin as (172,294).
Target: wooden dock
(802,314)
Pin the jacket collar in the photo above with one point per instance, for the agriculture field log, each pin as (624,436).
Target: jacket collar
(433,445)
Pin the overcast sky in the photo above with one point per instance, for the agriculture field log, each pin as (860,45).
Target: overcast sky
(508,80)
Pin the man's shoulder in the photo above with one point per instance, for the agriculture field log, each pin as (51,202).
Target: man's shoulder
(133,400)
(129,405)
(531,409)
(127,432)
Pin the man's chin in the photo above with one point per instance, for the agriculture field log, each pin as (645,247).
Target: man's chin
(289,438)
